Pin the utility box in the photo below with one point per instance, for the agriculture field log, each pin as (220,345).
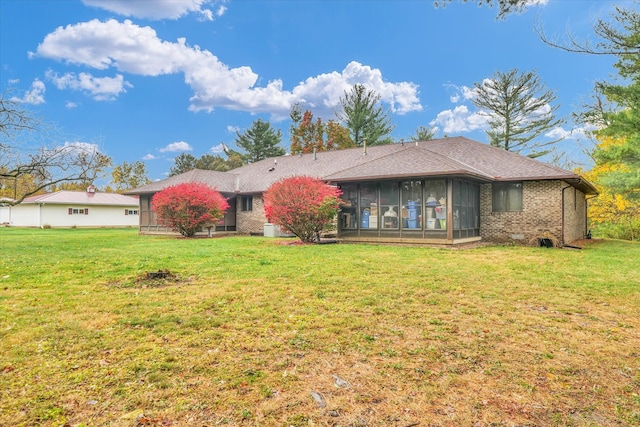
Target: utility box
(272,230)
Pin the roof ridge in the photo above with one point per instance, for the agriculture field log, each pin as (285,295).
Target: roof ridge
(455,162)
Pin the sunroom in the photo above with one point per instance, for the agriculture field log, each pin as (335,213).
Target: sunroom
(412,210)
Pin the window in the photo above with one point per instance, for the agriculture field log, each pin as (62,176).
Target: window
(368,206)
(247,203)
(389,196)
(131,212)
(435,207)
(348,206)
(411,212)
(507,196)
(78,211)
(466,209)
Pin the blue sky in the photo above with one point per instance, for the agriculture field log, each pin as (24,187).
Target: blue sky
(149,79)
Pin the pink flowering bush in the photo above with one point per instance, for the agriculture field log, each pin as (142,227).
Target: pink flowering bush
(186,208)
(301,205)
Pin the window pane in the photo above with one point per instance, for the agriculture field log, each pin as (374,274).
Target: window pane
(247,203)
(411,205)
(435,192)
(389,196)
(515,197)
(349,206)
(369,206)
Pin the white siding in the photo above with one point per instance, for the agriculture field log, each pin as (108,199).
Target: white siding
(57,215)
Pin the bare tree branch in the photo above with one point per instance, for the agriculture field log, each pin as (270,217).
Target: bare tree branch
(43,166)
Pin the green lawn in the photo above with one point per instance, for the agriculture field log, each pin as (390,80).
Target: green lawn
(248,330)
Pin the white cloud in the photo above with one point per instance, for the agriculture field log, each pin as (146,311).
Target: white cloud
(536,2)
(82,147)
(233,129)
(324,91)
(35,94)
(100,88)
(133,49)
(218,149)
(176,146)
(578,133)
(149,157)
(460,119)
(460,93)
(70,104)
(221,11)
(159,9)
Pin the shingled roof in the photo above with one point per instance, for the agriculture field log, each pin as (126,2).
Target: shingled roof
(458,156)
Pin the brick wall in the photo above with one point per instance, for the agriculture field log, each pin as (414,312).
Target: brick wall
(541,213)
(251,221)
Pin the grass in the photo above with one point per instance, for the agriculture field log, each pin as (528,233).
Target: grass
(248,331)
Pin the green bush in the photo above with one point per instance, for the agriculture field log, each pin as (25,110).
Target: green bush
(624,230)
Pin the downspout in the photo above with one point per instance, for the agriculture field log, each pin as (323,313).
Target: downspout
(586,213)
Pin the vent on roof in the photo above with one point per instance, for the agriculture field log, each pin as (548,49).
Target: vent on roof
(91,189)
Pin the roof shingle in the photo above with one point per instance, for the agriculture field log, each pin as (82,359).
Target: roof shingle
(456,156)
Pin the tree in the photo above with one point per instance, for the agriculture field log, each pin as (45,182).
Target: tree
(614,215)
(615,111)
(43,166)
(234,159)
(505,7)
(519,109)
(365,118)
(308,134)
(616,36)
(260,141)
(338,137)
(71,186)
(616,108)
(9,189)
(301,205)
(186,208)
(127,176)
(183,162)
(423,133)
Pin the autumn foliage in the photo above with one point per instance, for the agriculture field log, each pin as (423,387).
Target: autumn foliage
(301,205)
(309,135)
(186,208)
(611,214)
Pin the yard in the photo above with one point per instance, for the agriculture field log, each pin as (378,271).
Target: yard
(251,331)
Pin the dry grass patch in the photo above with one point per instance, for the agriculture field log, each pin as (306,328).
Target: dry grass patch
(259,333)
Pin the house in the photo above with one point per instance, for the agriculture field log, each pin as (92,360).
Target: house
(73,209)
(447,191)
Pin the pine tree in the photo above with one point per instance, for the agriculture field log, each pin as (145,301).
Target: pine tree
(260,141)
(520,111)
(365,118)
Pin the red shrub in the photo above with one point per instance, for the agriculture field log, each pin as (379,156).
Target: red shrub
(301,205)
(187,207)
